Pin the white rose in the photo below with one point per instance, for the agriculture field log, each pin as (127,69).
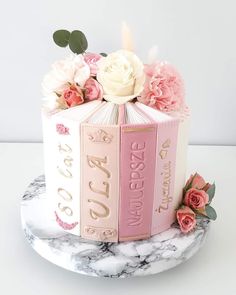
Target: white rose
(73,69)
(82,70)
(51,84)
(121,76)
(50,102)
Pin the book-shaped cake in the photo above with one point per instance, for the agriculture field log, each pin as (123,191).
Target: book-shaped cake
(112,172)
(115,142)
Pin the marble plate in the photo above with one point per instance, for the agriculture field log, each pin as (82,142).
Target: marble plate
(126,259)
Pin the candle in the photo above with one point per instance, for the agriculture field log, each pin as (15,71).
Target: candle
(127,39)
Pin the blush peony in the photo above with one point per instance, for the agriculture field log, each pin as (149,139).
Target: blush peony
(163,88)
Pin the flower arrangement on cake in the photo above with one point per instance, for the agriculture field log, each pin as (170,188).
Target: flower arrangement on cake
(118,77)
(197,197)
(118,128)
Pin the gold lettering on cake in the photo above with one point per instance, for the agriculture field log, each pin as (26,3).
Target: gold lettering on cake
(136,183)
(98,162)
(100,232)
(99,192)
(163,154)
(68,161)
(64,194)
(94,214)
(166,144)
(68,211)
(141,129)
(95,190)
(166,177)
(64,148)
(65,173)
(166,199)
(100,136)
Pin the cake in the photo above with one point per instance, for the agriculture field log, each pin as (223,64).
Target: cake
(115,137)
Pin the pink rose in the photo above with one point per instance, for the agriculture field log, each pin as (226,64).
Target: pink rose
(163,88)
(93,90)
(73,96)
(62,129)
(197,181)
(186,219)
(91,59)
(195,198)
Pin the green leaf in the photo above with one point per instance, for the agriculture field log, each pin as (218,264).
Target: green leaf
(78,42)
(201,216)
(211,213)
(61,37)
(103,54)
(211,192)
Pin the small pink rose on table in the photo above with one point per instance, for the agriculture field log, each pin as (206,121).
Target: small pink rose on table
(196,199)
(73,96)
(197,181)
(91,59)
(186,219)
(93,90)
(196,202)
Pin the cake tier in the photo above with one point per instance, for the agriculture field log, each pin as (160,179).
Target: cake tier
(114,173)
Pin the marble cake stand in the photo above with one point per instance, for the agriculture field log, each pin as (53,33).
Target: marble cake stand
(127,259)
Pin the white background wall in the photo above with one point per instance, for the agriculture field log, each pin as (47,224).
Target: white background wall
(197,36)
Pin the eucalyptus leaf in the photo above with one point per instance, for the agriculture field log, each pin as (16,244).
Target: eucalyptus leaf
(78,42)
(211,213)
(61,37)
(211,191)
(201,216)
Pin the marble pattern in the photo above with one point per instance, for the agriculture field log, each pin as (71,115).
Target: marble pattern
(118,260)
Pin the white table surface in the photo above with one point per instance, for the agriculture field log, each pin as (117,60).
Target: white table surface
(211,271)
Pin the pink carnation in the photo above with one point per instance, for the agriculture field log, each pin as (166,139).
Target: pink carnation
(186,219)
(163,88)
(91,59)
(93,90)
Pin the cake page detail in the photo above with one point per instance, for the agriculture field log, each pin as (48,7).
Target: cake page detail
(163,209)
(181,160)
(99,182)
(67,212)
(138,145)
